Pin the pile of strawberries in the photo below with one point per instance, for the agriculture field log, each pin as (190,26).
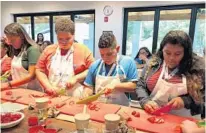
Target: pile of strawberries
(9,117)
(135,114)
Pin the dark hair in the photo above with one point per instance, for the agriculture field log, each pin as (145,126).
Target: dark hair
(6,46)
(146,49)
(64,25)
(177,37)
(38,37)
(16,29)
(47,42)
(107,40)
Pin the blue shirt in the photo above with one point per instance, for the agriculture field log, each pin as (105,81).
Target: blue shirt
(139,61)
(128,67)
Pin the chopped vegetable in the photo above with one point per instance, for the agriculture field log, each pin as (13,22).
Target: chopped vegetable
(9,117)
(129,119)
(134,112)
(151,119)
(156,120)
(137,114)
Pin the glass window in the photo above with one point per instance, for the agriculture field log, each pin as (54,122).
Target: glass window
(54,21)
(199,43)
(173,20)
(139,31)
(41,25)
(26,23)
(84,30)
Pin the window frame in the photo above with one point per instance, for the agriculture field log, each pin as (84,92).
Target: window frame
(157,10)
(51,14)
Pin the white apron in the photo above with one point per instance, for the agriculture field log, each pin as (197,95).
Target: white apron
(164,91)
(116,97)
(19,72)
(61,70)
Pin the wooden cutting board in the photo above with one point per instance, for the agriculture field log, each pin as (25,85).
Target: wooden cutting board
(141,123)
(24,93)
(72,109)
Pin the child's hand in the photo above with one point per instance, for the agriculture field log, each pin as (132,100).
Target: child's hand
(188,126)
(151,106)
(177,103)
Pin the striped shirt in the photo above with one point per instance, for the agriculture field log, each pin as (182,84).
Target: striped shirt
(152,80)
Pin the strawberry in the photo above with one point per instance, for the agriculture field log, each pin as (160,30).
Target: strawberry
(133,113)
(137,114)
(151,119)
(32,121)
(129,119)
(8,117)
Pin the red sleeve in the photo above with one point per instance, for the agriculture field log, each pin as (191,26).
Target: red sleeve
(89,59)
(44,60)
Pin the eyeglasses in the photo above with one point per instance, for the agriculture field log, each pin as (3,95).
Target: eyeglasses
(142,53)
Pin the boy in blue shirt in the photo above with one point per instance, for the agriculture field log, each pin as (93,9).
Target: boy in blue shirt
(113,72)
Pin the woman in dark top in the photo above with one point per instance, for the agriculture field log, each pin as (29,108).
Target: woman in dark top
(175,76)
(40,39)
(142,56)
(26,54)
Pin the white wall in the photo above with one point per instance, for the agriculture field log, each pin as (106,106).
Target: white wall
(115,22)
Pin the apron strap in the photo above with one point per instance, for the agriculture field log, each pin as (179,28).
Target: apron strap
(111,69)
(100,65)
(168,76)
(184,80)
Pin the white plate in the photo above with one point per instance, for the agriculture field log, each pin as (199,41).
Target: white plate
(11,107)
(13,123)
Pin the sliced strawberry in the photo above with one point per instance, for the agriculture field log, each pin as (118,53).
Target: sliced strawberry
(151,119)
(129,119)
(162,120)
(137,114)
(133,113)
(33,121)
